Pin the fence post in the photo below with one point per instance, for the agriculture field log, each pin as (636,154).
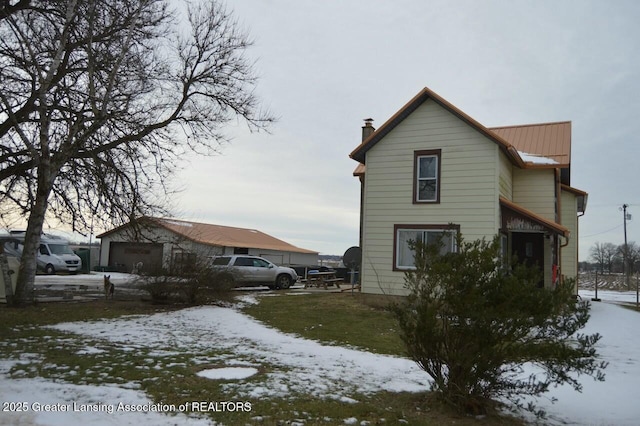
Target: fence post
(595,299)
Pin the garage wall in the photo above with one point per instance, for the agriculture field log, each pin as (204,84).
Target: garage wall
(151,245)
(159,244)
(286,258)
(281,258)
(125,255)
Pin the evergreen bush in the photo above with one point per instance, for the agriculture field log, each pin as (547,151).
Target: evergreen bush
(474,320)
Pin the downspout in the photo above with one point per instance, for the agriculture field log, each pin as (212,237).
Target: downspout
(361,210)
(558,194)
(578,254)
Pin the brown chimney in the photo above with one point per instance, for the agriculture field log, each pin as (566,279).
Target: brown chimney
(368,128)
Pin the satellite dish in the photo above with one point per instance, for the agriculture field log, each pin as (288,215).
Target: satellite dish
(352,258)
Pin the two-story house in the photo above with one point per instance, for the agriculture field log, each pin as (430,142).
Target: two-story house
(432,170)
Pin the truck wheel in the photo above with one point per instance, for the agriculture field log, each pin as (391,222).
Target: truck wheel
(49,269)
(283,281)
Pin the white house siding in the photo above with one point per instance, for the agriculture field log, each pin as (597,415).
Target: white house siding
(469,194)
(534,189)
(569,253)
(505,178)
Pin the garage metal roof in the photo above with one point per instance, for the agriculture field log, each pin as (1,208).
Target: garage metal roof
(222,236)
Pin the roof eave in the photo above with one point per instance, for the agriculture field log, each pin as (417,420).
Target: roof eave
(126,225)
(556,227)
(581,195)
(359,153)
(530,165)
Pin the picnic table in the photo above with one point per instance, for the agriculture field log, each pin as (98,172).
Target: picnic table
(322,278)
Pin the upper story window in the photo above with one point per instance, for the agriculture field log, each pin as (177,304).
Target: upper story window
(426,176)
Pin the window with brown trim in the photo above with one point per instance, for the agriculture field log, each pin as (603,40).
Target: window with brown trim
(404,236)
(426,176)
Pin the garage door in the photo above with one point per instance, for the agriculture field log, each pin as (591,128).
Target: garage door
(125,255)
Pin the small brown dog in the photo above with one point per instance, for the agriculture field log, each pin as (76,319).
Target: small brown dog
(109,288)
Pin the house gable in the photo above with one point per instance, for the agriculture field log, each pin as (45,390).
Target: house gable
(545,145)
(468,184)
(425,94)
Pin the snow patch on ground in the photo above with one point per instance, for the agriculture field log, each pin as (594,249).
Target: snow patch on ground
(228,373)
(297,365)
(101,405)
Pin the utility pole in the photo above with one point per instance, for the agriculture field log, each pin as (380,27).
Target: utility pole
(625,258)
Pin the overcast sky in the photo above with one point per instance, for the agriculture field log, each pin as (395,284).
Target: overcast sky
(324,66)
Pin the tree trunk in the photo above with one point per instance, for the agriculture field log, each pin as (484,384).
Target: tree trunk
(27,271)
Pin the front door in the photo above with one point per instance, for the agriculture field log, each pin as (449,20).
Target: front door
(528,247)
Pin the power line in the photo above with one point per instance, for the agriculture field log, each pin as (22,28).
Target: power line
(590,205)
(603,232)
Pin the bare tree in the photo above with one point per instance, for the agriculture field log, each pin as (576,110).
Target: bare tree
(9,7)
(597,256)
(630,253)
(633,256)
(605,255)
(99,100)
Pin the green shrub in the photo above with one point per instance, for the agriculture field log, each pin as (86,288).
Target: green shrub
(472,321)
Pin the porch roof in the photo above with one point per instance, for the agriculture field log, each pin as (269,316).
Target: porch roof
(544,223)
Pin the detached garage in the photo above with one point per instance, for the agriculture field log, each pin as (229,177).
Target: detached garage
(160,242)
(123,254)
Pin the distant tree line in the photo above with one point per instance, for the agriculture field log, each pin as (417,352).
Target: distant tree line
(609,258)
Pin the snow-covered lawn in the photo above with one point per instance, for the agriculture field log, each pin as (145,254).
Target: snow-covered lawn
(297,365)
(614,401)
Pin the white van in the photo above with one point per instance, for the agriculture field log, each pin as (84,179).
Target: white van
(54,254)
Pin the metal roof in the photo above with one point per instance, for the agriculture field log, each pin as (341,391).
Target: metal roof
(549,140)
(218,235)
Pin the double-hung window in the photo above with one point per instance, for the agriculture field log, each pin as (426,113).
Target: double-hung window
(427,176)
(407,235)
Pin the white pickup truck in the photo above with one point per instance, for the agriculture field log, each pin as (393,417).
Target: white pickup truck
(248,269)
